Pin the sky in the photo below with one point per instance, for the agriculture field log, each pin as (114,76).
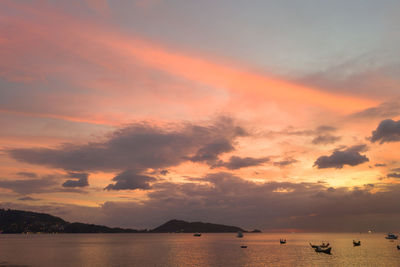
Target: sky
(276,115)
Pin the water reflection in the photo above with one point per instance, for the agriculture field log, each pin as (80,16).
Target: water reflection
(186,250)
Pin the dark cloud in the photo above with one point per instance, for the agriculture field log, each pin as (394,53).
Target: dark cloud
(28,198)
(349,156)
(325,129)
(27,186)
(236,162)
(140,146)
(130,180)
(387,131)
(380,165)
(27,174)
(393,175)
(384,110)
(80,180)
(228,199)
(225,198)
(164,172)
(210,152)
(325,139)
(285,162)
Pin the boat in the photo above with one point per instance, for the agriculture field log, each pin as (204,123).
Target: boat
(356,244)
(239,234)
(197,234)
(282,241)
(243,246)
(398,246)
(391,236)
(323,245)
(323,250)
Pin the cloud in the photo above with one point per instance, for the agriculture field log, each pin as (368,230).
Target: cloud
(350,156)
(229,199)
(236,162)
(27,186)
(221,197)
(380,165)
(27,174)
(285,162)
(325,129)
(164,172)
(325,139)
(393,175)
(130,180)
(384,110)
(140,146)
(28,198)
(387,131)
(210,152)
(80,180)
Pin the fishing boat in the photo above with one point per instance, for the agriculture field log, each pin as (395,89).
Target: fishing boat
(243,246)
(323,245)
(356,244)
(282,241)
(239,234)
(323,250)
(391,236)
(197,234)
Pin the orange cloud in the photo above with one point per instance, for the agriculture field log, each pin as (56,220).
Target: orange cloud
(116,52)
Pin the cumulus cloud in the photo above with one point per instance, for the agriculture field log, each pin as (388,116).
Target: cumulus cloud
(210,152)
(221,197)
(229,199)
(80,180)
(349,156)
(387,131)
(140,146)
(130,180)
(236,162)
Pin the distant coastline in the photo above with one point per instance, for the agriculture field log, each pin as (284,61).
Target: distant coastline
(19,221)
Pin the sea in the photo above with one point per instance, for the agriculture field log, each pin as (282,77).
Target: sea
(263,249)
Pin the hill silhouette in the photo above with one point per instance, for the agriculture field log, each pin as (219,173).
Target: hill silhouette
(18,221)
(178,226)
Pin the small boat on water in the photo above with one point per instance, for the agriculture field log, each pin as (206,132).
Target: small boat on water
(243,246)
(282,241)
(197,234)
(323,245)
(323,250)
(239,234)
(391,236)
(356,244)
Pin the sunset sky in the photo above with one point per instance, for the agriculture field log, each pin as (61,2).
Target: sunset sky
(274,115)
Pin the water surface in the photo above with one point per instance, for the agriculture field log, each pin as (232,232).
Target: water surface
(186,250)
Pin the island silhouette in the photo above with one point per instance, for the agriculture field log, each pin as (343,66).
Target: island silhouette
(19,221)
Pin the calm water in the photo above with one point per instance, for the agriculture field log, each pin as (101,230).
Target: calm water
(186,250)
